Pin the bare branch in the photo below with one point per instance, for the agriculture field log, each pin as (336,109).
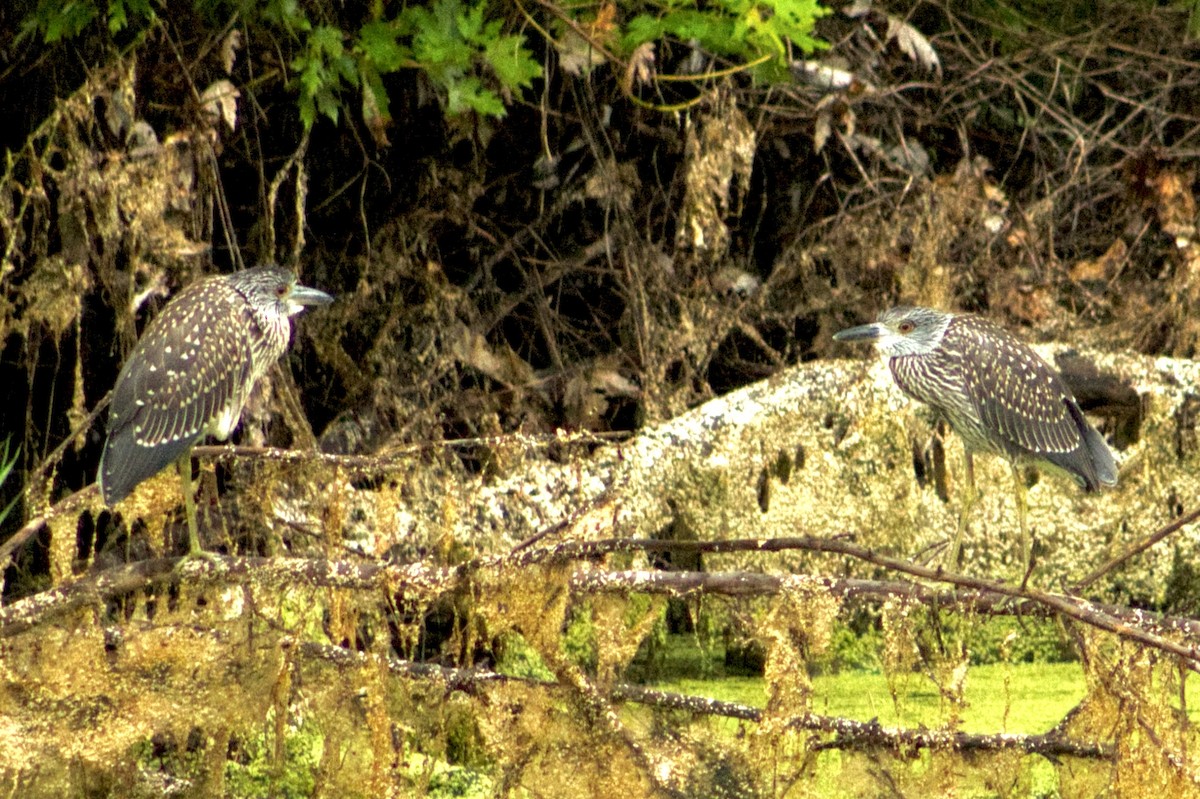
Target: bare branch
(1138,548)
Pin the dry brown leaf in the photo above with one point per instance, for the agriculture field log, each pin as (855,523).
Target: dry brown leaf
(913,44)
(576,55)
(641,66)
(1030,304)
(229,47)
(604,28)
(1176,207)
(1102,268)
(376,123)
(822,129)
(858,8)
(720,151)
(499,363)
(219,102)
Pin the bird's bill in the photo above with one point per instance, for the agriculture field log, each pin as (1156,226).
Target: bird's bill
(303,295)
(871,332)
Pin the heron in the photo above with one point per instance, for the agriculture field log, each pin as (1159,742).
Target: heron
(996,393)
(191,372)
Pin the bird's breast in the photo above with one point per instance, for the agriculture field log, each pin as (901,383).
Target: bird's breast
(931,379)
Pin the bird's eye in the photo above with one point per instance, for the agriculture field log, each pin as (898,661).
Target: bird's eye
(906,327)
(281,290)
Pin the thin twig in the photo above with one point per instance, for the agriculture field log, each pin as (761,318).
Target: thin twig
(1136,549)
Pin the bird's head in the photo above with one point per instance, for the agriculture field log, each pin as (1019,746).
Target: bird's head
(903,330)
(276,288)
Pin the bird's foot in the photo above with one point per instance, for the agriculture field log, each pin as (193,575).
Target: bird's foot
(198,554)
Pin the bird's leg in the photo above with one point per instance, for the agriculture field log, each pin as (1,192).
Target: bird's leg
(964,513)
(1022,519)
(184,465)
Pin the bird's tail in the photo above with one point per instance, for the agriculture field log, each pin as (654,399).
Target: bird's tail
(1104,463)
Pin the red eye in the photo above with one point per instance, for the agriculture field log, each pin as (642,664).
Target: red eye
(281,290)
(906,327)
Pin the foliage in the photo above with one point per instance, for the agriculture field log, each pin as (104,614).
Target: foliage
(1181,597)
(747,30)
(857,648)
(377,717)
(1005,639)
(254,772)
(474,57)
(999,639)
(468,54)
(851,651)
(518,659)
(448,40)
(457,781)
(56,20)
(1192,7)
(579,638)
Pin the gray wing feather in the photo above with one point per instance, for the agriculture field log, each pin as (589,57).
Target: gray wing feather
(1024,402)
(189,366)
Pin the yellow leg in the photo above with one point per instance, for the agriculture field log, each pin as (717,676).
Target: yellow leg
(969,498)
(184,465)
(1023,521)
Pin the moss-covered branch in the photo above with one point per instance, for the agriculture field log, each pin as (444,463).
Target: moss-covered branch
(847,733)
(974,594)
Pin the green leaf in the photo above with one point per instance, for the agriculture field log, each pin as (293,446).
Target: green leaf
(120,13)
(326,40)
(375,98)
(59,20)
(714,32)
(328,105)
(745,29)
(323,70)
(437,44)
(287,15)
(792,20)
(469,94)
(117,18)
(513,64)
(379,44)
(470,24)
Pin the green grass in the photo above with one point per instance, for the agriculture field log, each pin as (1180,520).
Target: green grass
(1013,698)
(999,697)
(1021,698)
(1018,698)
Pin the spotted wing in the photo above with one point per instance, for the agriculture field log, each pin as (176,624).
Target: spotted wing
(1022,401)
(189,371)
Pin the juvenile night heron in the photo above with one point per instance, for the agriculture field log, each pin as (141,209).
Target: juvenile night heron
(191,372)
(995,392)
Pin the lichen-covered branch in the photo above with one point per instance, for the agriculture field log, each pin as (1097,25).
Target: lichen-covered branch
(109,583)
(1072,607)
(681,583)
(848,733)
(975,593)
